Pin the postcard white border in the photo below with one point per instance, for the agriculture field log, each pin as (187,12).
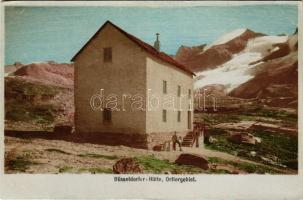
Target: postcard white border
(76,186)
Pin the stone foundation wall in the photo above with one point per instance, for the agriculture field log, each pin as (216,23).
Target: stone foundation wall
(114,139)
(141,141)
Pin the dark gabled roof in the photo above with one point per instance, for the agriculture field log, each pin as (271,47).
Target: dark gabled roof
(150,49)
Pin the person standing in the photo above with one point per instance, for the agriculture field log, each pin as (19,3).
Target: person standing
(176,141)
(197,135)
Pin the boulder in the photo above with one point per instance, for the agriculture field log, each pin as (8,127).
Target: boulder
(235,138)
(242,138)
(248,138)
(158,147)
(194,160)
(212,140)
(127,166)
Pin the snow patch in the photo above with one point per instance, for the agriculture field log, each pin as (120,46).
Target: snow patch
(264,44)
(237,71)
(231,74)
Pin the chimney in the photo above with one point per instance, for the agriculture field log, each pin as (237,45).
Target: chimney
(157,43)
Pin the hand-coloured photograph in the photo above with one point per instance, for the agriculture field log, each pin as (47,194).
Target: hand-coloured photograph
(151,90)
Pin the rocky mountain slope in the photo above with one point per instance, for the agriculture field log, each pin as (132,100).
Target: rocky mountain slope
(274,77)
(247,65)
(38,95)
(50,73)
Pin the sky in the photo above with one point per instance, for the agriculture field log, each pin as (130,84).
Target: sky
(34,34)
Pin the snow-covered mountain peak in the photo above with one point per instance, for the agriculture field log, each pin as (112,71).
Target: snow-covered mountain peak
(227,37)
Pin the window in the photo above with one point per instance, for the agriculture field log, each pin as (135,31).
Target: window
(189,94)
(179,90)
(164,112)
(107,115)
(164,87)
(179,116)
(107,54)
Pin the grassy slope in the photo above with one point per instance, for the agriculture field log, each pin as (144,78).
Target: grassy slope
(282,146)
(24,102)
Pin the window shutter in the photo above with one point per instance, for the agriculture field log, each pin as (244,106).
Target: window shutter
(164,87)
(107,115)
(164,112)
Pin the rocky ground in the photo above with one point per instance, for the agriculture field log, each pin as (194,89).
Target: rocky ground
(54,156)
